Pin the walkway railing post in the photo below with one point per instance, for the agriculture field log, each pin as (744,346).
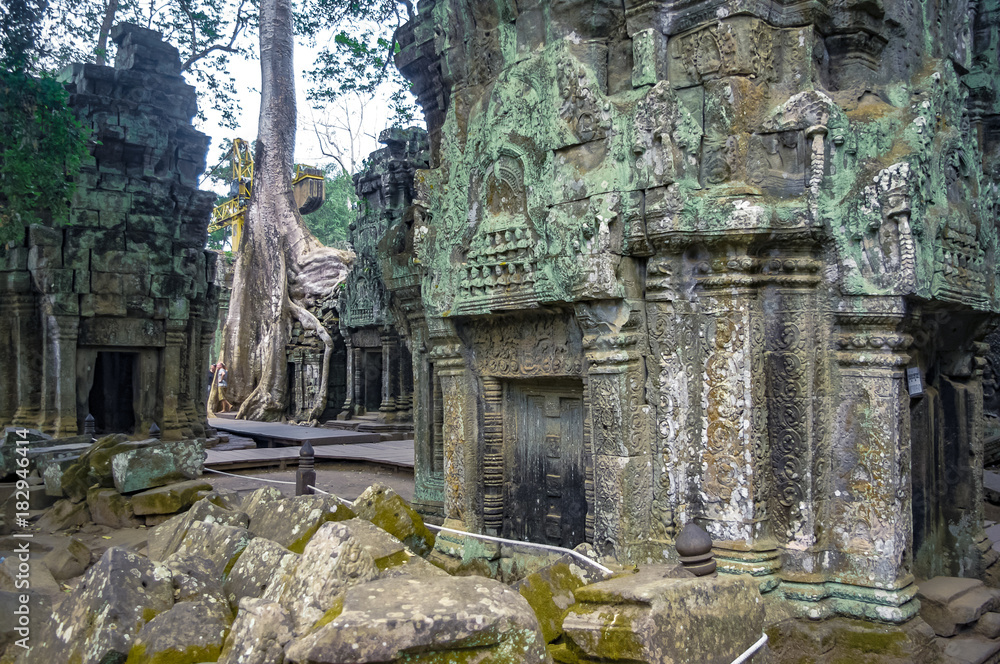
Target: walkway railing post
(305,476)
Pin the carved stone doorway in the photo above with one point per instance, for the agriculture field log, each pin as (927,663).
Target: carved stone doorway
(112,396)
(543,439)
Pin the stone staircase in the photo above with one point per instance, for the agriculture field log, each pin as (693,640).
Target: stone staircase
(965,615)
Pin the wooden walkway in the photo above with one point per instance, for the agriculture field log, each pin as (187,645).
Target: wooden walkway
(275,433)
(397,453)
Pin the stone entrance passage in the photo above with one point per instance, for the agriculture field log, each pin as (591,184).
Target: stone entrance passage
(372,380)
(112,396)
(543,425)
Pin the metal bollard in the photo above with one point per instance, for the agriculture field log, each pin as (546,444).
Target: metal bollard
(154,431)
(305,476)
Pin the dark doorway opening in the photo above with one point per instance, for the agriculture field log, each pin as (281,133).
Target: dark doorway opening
(543,433)
(112,397)
(372,396)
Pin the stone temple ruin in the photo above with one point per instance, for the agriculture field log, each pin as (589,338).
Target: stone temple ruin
(113,315)
(712,261)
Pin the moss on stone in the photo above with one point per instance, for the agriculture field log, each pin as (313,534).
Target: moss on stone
(331,614)
(192,655)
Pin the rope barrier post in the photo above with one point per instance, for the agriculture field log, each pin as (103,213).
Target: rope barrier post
(305,476)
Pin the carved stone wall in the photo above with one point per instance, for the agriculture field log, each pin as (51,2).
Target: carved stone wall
(737,225)
(124,293)
(379,379)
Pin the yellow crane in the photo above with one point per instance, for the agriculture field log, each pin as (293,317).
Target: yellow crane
(308,187)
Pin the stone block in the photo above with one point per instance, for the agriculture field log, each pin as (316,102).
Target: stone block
(219,545)
(947,603)
(42,257)
(16,258)
(52,280)
(10,601)
(170,498)
(387,510)
(102,305)
(105,283)
(989,625)
(81,281)
(110,508)
(467,613)
(157,464)
(262,562)
(44,236)
(99,621)
(63,515)
(331,562)
(660,617)
(39,578)
(167,537)
(189,632)
(68,558)
(292,521)
(258,635)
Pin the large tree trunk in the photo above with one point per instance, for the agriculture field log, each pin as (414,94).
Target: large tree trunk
(281,267)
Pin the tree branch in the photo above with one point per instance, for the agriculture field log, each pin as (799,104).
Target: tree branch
(226,48)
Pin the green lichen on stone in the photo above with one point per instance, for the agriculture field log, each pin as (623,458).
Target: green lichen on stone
(331,614)
(191,655)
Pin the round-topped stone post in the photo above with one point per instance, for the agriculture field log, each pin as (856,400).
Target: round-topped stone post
(305,476)
(154,431)
(694,546)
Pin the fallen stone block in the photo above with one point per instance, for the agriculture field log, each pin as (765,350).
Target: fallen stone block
(947,603)
(261,563)
(157,463)
(69,558)
(331,562)
(13,438)
(989,625)
(167,537)
(291,522)
(194,579)
(39,607)
(93,467)
(445,619)
(550,591)
(258,635)
(98,622)
(110,508)
(170,498)
(220,545)
(187,633)
(662,614)
(14,572)
(64,515)
(387,510)
(58,452)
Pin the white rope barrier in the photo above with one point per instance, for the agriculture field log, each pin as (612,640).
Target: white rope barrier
(248,477)
(752,650)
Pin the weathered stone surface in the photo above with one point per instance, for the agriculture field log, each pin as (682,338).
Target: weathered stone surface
(262,563)
(68,558)
(158,463)
(254,503)
(171,498)
(64,515)
(93,467)
(387,510)
(989,625)
(15,438)
(195,580)
(549,591)
(110,508)
(38,606)
(292,521)
(14,573)
(98,622)
(167,537)
(218,544)
(258,634)
(948,603)
(332,561)
(188,633)
(666,619)
(441,619)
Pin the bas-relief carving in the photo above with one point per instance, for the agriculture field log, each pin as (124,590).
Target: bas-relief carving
(771,199)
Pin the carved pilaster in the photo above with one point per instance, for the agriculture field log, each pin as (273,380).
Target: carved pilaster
(170,381)
(493,466)
(29,361)
(8,359)
(63,374)
(388,405)
(348,408)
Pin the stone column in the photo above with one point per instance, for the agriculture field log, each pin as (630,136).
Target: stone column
(459,436)
(493,466)
(736,481)
(29,361)
(65,330)
(387,409)
(870,516)
(348,407)
(8,359)
(170,379)
(359,384)
(621,430)
(205,360)
(404,374)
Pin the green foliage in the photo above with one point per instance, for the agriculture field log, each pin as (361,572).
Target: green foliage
(41,141)
(329,223)
(359,56)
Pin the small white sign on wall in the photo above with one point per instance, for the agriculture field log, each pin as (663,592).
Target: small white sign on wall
(914,382)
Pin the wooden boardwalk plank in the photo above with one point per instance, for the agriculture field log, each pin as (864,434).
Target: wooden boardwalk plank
(290,433)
